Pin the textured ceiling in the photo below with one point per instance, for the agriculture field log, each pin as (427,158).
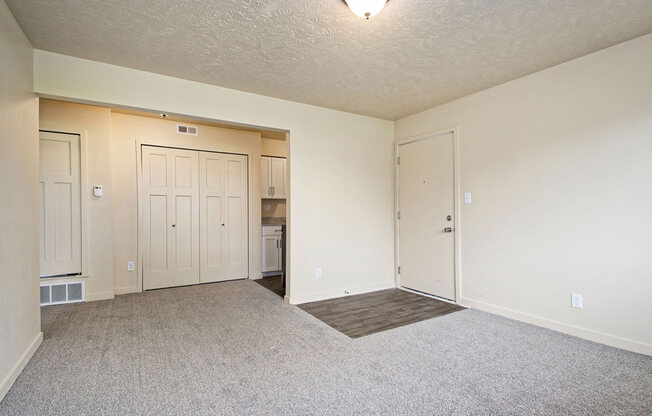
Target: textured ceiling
(414,55)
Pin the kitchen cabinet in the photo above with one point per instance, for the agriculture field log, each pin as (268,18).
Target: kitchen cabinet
(273,177)
(272,248)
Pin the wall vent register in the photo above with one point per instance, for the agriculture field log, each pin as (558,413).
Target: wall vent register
(191,130)
(59,293)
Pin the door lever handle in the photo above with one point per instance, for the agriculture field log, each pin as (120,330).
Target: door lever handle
(448,230)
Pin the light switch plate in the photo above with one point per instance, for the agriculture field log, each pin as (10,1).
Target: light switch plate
(131,266)
(467,197)
(576,300)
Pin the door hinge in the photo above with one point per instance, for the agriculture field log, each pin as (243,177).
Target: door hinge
(399,269)
(398,160)
(398,215)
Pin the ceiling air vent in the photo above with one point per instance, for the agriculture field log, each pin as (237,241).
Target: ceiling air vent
(191,130)
(58,293)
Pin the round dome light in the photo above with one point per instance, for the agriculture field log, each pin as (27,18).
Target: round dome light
(366,8)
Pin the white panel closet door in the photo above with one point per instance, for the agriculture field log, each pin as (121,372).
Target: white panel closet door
(59,185)
(170,217)
(223,212)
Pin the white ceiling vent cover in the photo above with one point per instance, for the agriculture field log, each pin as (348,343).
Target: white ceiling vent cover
(58,293)
(191,130)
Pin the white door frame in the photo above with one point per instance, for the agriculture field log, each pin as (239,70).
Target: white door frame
(85,196)
(457,209)
(139,184)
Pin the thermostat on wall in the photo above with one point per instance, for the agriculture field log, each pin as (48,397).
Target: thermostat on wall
(97,190)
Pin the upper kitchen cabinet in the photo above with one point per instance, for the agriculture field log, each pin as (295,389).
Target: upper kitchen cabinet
(273,177)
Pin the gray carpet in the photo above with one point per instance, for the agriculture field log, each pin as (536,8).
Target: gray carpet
(236,348)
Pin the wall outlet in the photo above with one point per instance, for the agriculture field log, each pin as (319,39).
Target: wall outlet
(467,197)
(317,273)
(131,266)
(267,207)
(576,300)
(347,293)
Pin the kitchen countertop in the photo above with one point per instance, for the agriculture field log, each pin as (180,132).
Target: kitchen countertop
(273,221)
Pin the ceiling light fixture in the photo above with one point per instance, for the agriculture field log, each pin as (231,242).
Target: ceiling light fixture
(366,8)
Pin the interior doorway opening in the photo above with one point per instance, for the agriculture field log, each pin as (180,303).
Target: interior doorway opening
(183,197)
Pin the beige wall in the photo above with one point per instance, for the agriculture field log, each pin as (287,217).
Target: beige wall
(274,147)
(129,130)
(559,164)
(93,124)
(341,179)
(20,316)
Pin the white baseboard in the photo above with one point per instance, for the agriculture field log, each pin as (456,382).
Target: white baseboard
(91,297)
(18,368)
(125,290)
(313,297)
(590,334)
(255,276)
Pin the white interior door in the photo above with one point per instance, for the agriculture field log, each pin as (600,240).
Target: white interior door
(59,185)
(170,217)
(277,175)
(426,225)
(223,216)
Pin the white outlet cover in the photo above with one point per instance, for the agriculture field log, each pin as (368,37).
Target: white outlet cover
(131,266)
(467,197)
(318,273)
(576,300)
(267,207)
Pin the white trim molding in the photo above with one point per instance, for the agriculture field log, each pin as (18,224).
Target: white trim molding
(585,333)
(92,297)
(18,368)
(125,290)
(313,297)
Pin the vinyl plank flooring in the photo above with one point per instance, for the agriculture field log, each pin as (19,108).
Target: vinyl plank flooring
(273,283)
(368,313)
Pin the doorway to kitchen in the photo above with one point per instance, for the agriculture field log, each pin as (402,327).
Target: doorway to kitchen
(274,196)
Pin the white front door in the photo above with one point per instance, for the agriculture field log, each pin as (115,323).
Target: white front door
(223,216)
(59,185)
(426,224)
(170,217)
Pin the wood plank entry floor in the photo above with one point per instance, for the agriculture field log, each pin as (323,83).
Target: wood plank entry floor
(368,313)
(273,283)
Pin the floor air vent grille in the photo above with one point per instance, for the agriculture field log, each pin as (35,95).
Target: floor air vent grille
(58,293)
